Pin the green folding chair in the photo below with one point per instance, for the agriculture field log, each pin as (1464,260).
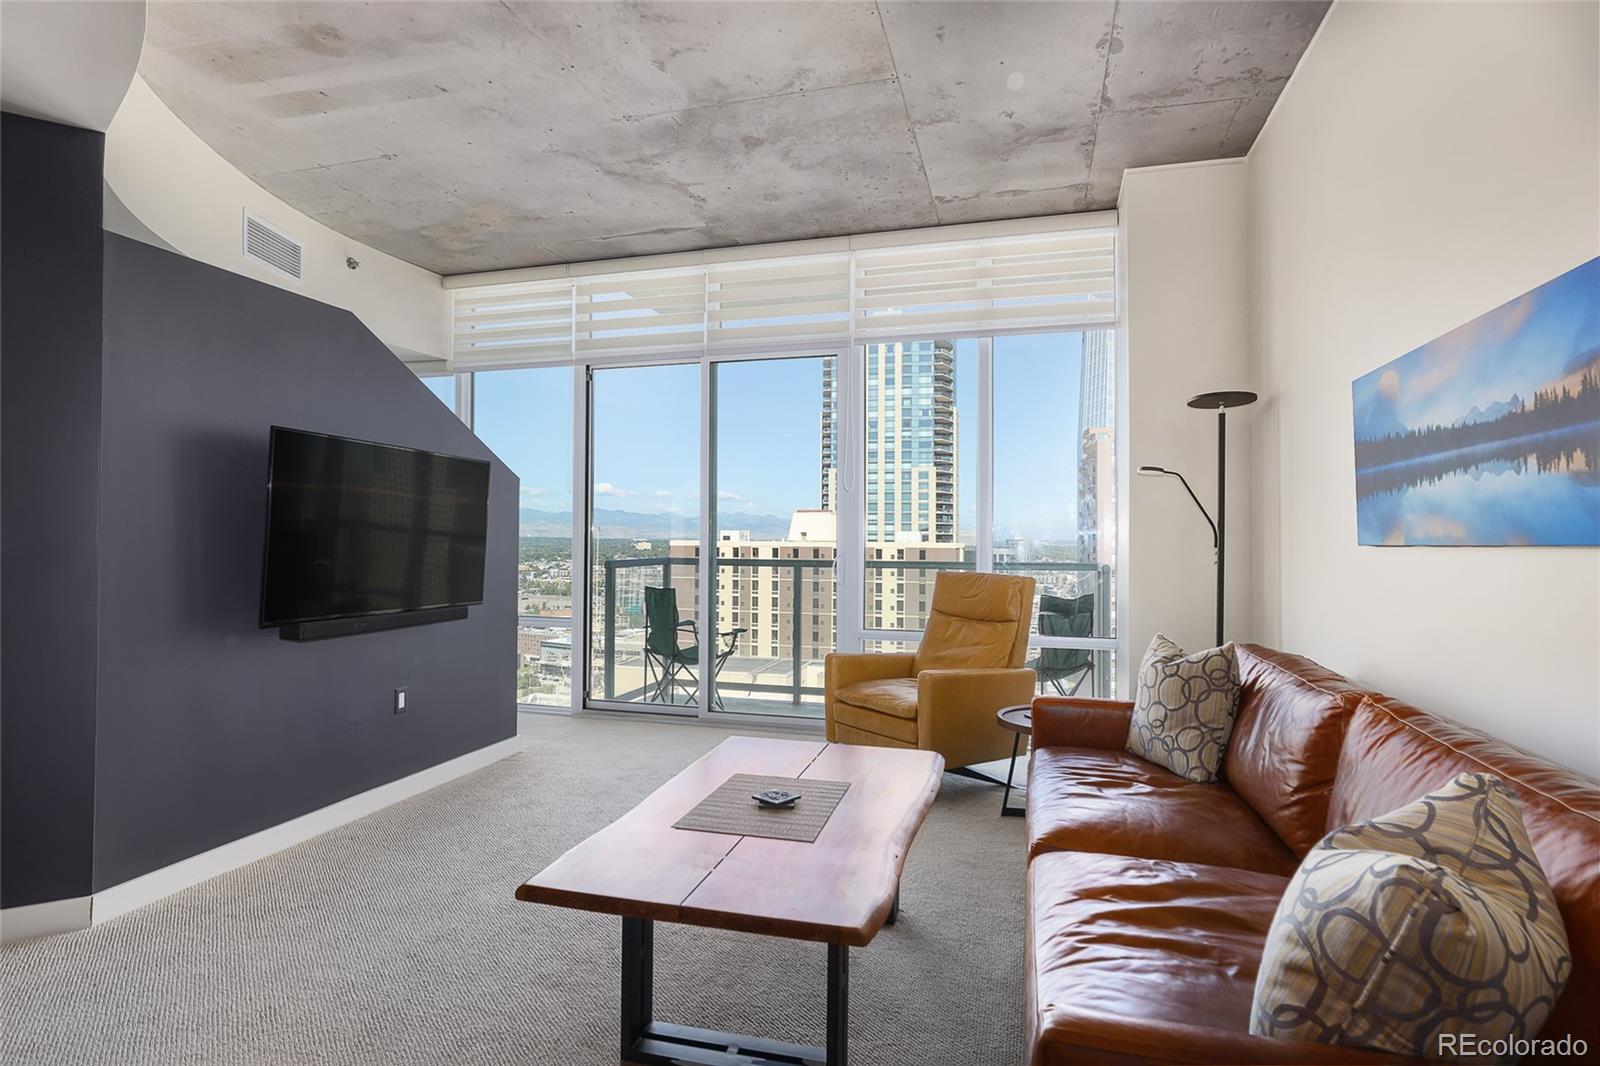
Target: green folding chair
(670,664)
(1065,616)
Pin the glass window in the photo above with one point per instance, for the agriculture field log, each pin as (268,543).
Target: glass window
(931,450)
(1055,515)
(444,387)
(525,417)
(644,508)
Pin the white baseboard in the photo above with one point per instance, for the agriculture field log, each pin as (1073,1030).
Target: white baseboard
(43,919)
(120,899)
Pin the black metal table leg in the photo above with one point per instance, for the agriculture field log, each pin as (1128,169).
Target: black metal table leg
(838,1004)
(638,980)
(1006,810)
(645,1040)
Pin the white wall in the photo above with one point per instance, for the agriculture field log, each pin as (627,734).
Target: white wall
(69,63)
(193,199)
(1185,330)
(1427,163)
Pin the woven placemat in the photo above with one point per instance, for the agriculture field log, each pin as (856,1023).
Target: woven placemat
(729,808)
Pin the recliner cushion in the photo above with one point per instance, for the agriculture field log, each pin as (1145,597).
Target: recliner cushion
(849,734)
(977,622)
(891,726)
(896,696)
(1089,799)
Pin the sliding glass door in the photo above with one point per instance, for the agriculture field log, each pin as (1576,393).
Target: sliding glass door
(773,518)
(647,650)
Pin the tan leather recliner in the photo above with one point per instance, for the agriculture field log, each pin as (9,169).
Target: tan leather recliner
(942,697)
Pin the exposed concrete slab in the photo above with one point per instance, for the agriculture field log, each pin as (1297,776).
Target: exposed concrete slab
(478,135)
(1183,53)
(1003,98)
(1184,133)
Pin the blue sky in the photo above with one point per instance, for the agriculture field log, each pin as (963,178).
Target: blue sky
(1526,344)
(646,431)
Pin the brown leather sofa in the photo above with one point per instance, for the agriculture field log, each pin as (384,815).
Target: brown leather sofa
(1149,896)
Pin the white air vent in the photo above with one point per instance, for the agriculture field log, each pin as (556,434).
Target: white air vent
(270,246)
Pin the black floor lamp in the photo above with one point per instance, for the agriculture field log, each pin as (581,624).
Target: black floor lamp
(1219,402)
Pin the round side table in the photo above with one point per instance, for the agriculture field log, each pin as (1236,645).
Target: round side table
(1018,721)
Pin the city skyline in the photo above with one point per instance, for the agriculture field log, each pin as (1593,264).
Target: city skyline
(646,437)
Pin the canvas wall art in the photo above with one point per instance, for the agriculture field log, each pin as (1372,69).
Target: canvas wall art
(1491,433)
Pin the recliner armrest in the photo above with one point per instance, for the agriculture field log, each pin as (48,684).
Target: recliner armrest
(954,703)
(840,668)
(1081,723)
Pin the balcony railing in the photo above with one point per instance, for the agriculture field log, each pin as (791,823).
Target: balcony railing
(803,672)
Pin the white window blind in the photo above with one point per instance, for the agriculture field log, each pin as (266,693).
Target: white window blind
(525,324)
(866,288)
(649,312)
(1049,280)
(795,301)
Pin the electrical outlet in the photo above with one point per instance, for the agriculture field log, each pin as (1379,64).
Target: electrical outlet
(400,701)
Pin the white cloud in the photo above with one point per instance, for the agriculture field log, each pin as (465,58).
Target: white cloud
(662,494)
(530,492)
(728,494)
(606,488)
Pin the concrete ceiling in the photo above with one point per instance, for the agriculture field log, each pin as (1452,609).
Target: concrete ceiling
(481,136)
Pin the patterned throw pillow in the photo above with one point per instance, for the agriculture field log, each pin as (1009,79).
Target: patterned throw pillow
(1432,921)
(1183,714)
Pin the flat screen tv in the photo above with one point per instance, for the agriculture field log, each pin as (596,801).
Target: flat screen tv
(358,529)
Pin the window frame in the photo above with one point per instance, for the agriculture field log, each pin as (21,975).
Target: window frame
(849,391)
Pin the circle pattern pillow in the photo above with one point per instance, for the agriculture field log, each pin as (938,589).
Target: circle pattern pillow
(1183,712)
(1432,921)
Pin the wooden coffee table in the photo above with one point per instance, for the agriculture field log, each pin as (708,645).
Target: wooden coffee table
(839,890)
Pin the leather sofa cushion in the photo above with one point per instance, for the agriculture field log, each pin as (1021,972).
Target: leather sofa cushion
(1089,799)
(891,726)
(1135,960)
(1286,740)
(895,695)
(1394,753)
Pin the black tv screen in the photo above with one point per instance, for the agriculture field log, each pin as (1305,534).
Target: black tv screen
(356,528)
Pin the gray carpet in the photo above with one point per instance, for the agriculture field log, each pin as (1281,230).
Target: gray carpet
(396,940)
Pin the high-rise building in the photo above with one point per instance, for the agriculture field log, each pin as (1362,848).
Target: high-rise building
(1096,416)
(910,477)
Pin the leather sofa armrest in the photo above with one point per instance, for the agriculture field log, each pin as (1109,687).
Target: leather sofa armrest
(1081,723)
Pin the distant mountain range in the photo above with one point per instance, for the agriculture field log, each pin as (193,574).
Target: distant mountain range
(638,525)
(1376,419)
(1489,414)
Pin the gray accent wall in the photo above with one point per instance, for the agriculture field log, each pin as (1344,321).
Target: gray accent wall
(209,727)
(49,455)
(146,718)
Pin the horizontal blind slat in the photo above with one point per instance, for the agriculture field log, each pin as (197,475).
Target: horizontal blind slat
(959,288)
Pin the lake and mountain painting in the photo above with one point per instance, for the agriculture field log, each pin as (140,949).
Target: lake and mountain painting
(1491,433)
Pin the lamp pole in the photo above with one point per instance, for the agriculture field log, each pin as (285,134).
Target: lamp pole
(1219,402)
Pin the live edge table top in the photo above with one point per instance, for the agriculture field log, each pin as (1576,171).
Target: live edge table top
(838,889)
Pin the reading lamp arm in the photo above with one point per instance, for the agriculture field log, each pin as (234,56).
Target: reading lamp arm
(1215,540)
